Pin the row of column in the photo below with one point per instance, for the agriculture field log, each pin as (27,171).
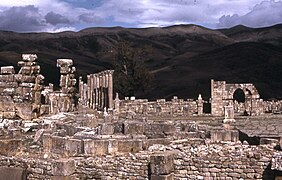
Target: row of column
(97,93)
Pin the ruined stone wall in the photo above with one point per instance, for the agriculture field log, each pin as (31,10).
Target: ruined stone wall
(178,161)
(160,108)
(272,106)
(20,94)
(227,161)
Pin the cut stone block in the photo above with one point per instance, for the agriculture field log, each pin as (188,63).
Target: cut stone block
(7,70)
(74,147)
(134,128)
(112,146)
(12,173)
(29,57)
(58,144)
(107,129)
(224,135)
(162,163)
(63,167)
(7,77)
(64,62)
(95,147)
(162,177)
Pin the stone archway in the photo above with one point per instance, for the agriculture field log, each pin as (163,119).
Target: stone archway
(223,94)
(239,96)
(242,101)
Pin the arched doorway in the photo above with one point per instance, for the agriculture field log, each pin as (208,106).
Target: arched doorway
(242,100)
(239,96)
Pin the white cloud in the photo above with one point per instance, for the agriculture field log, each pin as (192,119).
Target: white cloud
(266,13)
(26,18)
(10,3)
(42,15)
(169,12)
(53,15)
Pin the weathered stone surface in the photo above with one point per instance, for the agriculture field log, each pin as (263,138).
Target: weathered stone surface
(12,173)
(74,147)
(162,177)
(134,128)
(29,57)
(162,163)
(63,167)
(7,70)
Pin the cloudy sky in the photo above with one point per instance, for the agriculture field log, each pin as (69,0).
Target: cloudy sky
(61,15)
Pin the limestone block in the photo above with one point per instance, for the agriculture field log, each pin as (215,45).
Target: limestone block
(151,142)
(10,146)
(24,110)
(29,57)
(74,147)
(25,70)
(125,145)
(9,115)
(9,91)
(63,178)
(12,173)
(118,128)
(8,84)
(269,141)
(159,130)
(47,142)
(63,167)
(112,146)
(7,106)
(162,163)
(24,78)
(107,129)
(95,147)
(134,128)
(6,77)
(35,69)
(7,70)
(224,135)
(64,62)
(162,177)
(58,145)
(65,70)
(137,145)
(129,145)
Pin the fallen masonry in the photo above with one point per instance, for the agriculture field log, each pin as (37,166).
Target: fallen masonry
(48,134)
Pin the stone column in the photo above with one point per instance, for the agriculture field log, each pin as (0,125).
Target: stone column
(103,90)
(100,90)
(200,105)
(80,86)
(91,91)
(106,89)
(88,91)
(96,91)
(110,89)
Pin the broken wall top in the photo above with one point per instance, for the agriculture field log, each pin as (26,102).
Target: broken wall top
(29,57)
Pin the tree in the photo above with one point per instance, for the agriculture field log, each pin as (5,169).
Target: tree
(131,74)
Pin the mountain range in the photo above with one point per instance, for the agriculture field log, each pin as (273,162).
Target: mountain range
(183,58)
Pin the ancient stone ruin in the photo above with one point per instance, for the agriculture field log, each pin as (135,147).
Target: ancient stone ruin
(87,134)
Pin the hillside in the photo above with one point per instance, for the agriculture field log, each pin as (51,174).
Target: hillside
(183,58)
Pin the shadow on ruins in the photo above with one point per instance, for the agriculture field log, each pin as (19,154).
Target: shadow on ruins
(90,134)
